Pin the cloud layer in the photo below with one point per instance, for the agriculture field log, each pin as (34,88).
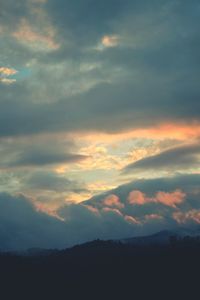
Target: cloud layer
(99,100)
(119,213)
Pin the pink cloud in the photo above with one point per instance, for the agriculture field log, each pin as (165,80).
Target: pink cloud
(171,199)
(137,197)
(113,201)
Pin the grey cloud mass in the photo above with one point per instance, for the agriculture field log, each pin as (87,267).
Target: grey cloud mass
(38,152)
(153,71)
(22,226)
(52,182)
(92,66)
(181,157)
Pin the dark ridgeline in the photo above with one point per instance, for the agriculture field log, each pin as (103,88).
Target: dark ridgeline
(105,270)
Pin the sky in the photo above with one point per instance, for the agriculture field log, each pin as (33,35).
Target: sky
(99,119)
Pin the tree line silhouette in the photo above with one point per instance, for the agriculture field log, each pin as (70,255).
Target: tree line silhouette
(104,270)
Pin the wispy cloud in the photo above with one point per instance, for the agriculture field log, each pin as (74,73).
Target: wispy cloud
(181,157)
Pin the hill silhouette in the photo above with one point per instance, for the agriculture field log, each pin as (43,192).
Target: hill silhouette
(104,270)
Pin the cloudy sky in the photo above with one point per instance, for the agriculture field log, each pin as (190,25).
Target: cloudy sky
(99,119)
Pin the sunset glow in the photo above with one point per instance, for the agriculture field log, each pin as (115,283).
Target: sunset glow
(99,118)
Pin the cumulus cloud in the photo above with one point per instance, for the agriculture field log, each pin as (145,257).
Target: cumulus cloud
(137,197)
(170,199)
(189,216)
(113,201)
(155,199)
(167,198)
(23,225)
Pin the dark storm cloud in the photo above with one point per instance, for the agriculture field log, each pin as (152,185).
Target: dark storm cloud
(181,157)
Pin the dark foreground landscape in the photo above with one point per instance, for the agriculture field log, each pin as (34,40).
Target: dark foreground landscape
(105,270)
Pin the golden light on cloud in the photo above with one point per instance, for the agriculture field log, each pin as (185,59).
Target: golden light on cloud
(110,41)
(77,198)
(100,186)
(5,73)
(178,131)
(98,158)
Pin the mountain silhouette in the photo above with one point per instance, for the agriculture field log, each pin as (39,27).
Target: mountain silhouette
(99,269)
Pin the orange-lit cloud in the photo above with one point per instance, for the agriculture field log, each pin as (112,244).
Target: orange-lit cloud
(171,199)
(113,201)
(7,71)
(110,41)
(137,197)
(47,210)
(178,131)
